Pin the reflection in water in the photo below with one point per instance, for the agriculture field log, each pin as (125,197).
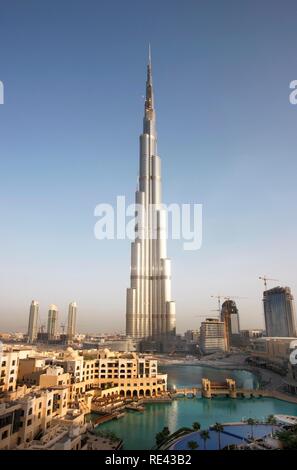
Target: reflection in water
(183,375)
(138,430)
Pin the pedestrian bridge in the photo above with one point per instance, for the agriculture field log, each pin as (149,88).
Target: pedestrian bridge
(210,389)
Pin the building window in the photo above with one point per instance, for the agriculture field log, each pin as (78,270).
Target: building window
(40,405)
(49,403)
(48,412)
(30,411)
(29,422)
(5,434)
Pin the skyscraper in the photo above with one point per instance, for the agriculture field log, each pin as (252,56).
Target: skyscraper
(33,321)
(212,336)
(71,325)
(150,312)
(279,312)
(52,323)
(230,317)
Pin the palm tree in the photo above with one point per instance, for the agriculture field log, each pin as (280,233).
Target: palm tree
(251,422)
(196,426)
(218,427)
(193,445)
(162,435)
(272,421)
(204,435)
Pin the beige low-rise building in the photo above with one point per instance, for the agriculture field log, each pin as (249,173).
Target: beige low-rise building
(275,349)
(60,436)
(38,389)
(130,373)
(278,354)
(9,361)
(25,418)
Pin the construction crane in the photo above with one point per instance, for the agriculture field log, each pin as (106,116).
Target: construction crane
(265,279)
(207,315)
(219,297)
(226,317)
(229,297)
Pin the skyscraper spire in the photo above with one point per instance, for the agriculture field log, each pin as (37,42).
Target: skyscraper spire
(150,312)
(149,55)
(149,113)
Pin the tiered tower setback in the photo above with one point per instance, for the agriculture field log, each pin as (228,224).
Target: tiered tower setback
(150,311)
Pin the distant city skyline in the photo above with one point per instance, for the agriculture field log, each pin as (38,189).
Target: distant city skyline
(68,141)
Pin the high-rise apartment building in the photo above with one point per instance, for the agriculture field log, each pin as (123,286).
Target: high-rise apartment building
(71,325)
(212,336)
(52,323)
(279,312)
(33,321)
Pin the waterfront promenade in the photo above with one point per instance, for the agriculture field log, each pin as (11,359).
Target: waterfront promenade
(268,379)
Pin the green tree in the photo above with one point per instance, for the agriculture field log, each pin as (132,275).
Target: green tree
(204,434)
(193,445)
(196,426)
(218,427)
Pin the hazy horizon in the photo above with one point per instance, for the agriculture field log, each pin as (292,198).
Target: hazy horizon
(74,80)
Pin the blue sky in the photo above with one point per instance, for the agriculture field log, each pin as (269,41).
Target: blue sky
(74,77)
